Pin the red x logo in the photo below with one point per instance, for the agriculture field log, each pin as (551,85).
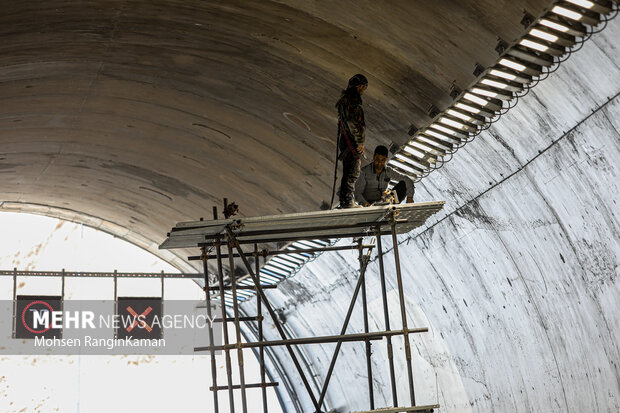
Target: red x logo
(135,319)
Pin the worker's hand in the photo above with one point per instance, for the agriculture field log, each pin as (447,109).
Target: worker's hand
(367,204)
(409,199)
(360,149)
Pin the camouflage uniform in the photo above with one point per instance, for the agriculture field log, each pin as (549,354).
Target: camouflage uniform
(351,114)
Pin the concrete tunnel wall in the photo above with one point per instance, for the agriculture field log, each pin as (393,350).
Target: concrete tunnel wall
(517,278)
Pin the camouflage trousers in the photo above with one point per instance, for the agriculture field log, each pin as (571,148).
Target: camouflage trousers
(350,172)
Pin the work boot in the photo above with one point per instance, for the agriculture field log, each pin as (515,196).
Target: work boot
(351,204)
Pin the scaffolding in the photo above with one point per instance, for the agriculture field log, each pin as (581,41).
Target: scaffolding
(235,233)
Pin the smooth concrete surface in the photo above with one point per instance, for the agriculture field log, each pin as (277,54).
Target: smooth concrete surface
(517,279)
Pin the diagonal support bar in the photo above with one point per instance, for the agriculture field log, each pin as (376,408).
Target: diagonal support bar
(345,325)
(272,313)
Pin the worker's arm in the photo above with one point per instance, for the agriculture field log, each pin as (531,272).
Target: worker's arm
(355,123)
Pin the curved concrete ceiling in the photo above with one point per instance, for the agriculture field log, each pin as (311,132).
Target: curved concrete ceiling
(146,113)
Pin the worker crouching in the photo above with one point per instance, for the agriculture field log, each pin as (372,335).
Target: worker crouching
(372,185)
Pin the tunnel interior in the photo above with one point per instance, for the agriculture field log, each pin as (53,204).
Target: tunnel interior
(131,116)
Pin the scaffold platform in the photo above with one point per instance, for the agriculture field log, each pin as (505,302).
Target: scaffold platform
(336,223)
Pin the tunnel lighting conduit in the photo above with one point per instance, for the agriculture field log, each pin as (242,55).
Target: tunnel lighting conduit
(547,42)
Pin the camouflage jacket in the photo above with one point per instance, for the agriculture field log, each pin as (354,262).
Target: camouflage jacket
(351,113)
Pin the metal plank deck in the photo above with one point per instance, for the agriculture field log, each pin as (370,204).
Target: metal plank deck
(341,223)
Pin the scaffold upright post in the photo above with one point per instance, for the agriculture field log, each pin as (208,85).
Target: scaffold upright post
(220,275)
(261,350)
(233,281)
(363,261)
(386,317)
(216,399)
(403,309)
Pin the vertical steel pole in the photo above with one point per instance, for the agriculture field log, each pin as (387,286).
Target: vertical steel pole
(62,295)
(162,291)
(261,350)
(403,310)
(62,287)
(115,299)
(371,393)
(14,301)
(233,277)
(220,273)
(386,316)
(216,399)
(162,296)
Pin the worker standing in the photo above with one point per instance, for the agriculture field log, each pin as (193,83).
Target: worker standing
(351,136)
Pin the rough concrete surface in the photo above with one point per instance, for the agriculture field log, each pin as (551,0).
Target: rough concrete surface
(517,279)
